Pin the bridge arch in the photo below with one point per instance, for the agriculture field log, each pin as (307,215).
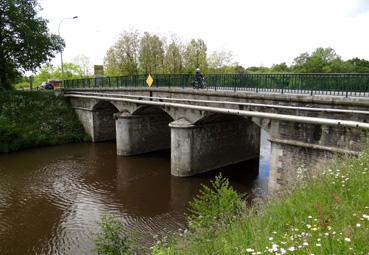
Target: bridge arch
(152,110)
(144,130)
(103,121)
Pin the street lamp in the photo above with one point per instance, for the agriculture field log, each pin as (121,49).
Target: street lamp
(61,52)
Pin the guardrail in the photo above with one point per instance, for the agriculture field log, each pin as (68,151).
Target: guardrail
(347,84)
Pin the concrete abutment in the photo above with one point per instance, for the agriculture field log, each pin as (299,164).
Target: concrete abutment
(299,149)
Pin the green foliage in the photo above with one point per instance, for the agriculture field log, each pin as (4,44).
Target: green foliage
(71,71)
(24,39)
(151,54)
(231,69)
(257,69)
(280,68)
(215,206)
(174,59)
(122,57)
(195,55)
(359,65)
(109,240)
(132,55)
(322,60)
(49,72)
(10,136)
(29,119)
(328,214)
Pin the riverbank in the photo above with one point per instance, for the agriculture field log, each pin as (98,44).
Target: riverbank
(32,119)
(328,214)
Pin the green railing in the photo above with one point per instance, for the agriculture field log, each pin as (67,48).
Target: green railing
(334,84)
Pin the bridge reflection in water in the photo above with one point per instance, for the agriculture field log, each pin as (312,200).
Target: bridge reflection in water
(51,198)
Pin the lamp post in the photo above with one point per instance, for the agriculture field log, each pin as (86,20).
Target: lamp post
(61,52)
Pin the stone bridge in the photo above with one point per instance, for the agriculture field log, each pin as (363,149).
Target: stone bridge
(207,129)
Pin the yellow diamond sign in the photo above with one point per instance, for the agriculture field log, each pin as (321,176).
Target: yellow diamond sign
(149,80)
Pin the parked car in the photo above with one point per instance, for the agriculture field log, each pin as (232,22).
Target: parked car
(46,85)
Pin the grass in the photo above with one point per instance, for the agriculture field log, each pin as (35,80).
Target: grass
(30,119)
(328,214)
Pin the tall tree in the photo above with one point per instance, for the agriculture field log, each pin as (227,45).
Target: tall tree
(220,59)
(173,58)
(221,62)
(25,42)
(71,71)
(151,54)
(84,63)
(195,55)
(322,60)
(122,57)
(359,65)
(280,68)
(43,74)
(49,72)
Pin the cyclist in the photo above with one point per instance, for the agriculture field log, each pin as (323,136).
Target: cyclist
(199,79)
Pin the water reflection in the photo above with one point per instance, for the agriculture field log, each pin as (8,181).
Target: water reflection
(51,198)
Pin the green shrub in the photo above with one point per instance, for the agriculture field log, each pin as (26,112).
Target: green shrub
(215,206)
(110,240)
(328,214)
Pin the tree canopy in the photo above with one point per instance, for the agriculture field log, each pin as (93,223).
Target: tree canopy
(132,54)
(122,58)
(151,54)
(195,55)
(49,72)
(173,61)
(25,42)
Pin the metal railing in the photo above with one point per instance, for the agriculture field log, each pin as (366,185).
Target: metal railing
(347,84)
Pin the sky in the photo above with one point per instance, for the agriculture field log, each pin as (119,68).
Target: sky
(257,32)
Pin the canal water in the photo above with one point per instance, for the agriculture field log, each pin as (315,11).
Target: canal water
(51,198)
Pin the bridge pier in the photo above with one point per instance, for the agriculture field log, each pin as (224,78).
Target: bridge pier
(200,148)
(137,134)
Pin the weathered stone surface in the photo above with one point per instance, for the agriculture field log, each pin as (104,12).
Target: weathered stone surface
(200,148)
(137,134)
(104,122)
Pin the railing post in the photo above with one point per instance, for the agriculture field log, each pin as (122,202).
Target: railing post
(234,83)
